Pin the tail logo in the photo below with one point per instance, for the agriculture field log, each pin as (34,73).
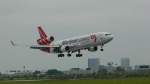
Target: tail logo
(41,32)
(43,37)
(93,38)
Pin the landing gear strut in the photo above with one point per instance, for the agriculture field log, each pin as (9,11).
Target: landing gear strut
(102,48)
(69,54)
(102,44)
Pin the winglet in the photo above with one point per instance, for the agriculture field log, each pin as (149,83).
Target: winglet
(12,43)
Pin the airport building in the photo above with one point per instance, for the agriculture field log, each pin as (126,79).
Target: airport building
(142,67)
(93,64)
(125,64)
(110,67)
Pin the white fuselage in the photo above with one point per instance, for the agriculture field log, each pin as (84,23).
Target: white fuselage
(83,42)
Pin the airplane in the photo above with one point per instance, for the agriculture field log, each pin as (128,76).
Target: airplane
(89,42)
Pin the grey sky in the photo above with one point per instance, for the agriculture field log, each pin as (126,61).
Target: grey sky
(128,20)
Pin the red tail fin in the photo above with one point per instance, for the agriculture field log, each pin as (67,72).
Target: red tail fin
(41,32)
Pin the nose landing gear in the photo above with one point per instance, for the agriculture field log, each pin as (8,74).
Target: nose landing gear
(102,48)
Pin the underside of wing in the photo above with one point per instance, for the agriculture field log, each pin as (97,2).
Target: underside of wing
(43,46)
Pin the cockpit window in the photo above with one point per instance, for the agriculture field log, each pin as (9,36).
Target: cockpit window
(107,34)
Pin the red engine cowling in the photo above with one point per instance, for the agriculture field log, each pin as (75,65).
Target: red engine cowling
(43,41)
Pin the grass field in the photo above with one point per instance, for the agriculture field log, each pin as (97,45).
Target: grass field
(113,81)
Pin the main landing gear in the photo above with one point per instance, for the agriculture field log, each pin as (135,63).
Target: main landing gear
(79,54)
(102,48)
(69,54)
(61,55)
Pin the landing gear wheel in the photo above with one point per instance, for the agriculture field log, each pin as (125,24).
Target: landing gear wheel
(102,49)
(61,55)
(79,55)
(69,55)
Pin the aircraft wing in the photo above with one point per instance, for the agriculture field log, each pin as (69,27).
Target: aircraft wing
(43,46)
(35,46)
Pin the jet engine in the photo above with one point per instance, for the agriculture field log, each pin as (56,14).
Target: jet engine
(65,48)
(92,49)
(43,41)
(51,39)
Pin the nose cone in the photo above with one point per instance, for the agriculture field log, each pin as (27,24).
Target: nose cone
(111,37)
